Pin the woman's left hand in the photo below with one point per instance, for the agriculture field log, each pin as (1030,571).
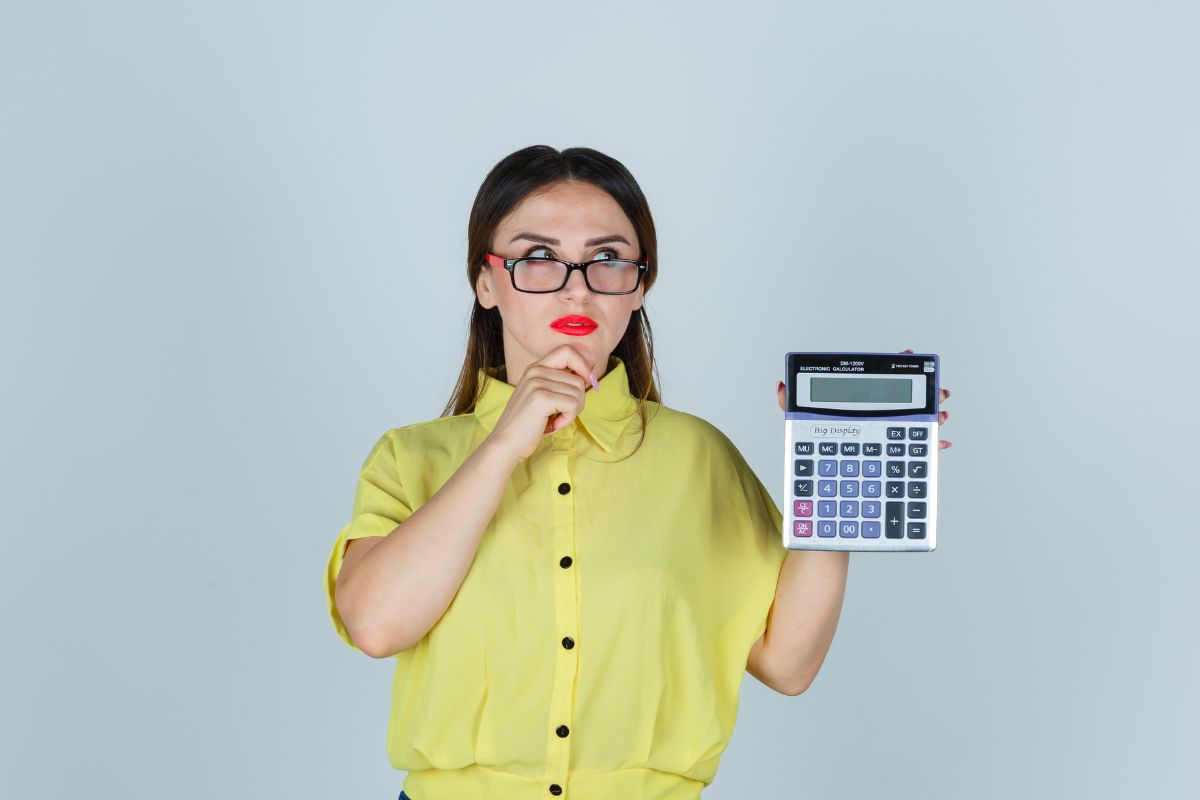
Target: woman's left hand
(942,415)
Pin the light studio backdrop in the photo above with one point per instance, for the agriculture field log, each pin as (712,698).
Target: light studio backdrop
(232,238)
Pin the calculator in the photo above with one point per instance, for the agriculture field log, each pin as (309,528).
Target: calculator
(861,451)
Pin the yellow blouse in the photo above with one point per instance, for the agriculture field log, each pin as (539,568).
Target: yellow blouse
(596,647)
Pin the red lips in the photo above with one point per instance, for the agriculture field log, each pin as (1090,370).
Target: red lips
(574,325)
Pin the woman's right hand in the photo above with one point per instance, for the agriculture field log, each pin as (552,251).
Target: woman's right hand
(548,398)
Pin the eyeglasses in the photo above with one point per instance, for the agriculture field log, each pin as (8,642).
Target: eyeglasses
(541,275)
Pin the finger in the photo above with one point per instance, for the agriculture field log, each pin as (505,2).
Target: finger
(943,444)
(568,358)
(945,394)
(908,350)
(782,394)
(942,415)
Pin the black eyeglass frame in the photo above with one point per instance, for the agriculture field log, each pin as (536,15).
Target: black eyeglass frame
(491,259)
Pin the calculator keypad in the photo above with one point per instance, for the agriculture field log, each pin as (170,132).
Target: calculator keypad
(863,489)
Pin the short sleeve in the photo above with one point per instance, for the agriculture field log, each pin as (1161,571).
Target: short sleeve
(761,554)
(380,504)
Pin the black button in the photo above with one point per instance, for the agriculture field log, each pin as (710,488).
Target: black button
(563,488)
(562,731)
(564,562)
(804,448)
(872,449)
(918,433)
(828,448)
(849,448)
(568,642)
(895,433)
(804,467)
(802,488)
(555,789)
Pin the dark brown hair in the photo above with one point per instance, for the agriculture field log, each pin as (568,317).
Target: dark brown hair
(512,179)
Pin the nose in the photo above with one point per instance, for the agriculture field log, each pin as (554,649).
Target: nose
(576,285)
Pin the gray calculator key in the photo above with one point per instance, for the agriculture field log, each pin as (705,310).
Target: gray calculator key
(804,448)
(917,469)
(895,469)
(895,433)
(804,467)
(827,508)
(849,468)
(848,508)
(872,469)
(918,450)
(849,488)
(827,527)
(895,450)
(916,530)
(849,448)
(916,488)
(895,488)
(916,509)
(802,488)
(893,520)
(827,467)
(848,529)
(918,434)
(870,530)
(870,488)
(872,448)
(827,488)
(828,448)
(870,509)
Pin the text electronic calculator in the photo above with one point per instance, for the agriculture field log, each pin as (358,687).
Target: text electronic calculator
(861,451)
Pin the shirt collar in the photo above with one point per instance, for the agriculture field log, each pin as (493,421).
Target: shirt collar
(605,413)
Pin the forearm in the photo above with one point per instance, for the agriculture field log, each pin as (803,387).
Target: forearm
(808,603)
(403,585)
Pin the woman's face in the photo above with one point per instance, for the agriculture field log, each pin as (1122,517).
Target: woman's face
(577,222)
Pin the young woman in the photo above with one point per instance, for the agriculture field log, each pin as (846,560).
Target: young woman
(571,576)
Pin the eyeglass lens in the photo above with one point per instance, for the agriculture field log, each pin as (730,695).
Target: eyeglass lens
(540,275)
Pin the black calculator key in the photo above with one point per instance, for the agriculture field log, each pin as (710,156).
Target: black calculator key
(918,434)
(916,488)
(918,450)
(849,448)
(872,449)
(804,467)
(828,448)
(895,488)
(895,469)
(804,448)
(802,488)
(893,521)
(895,450)
(895,433)
(916,509)
(917,469)
(916,530)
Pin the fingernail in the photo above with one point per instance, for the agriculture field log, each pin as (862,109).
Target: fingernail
(595,384)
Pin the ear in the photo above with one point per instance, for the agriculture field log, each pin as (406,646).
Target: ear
(483,288)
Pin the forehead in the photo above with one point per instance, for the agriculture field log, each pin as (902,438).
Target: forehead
(567,210)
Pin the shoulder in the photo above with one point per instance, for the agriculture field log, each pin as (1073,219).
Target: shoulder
(691,433)
(442,433)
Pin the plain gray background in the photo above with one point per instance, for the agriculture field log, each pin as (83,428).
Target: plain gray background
(232,245)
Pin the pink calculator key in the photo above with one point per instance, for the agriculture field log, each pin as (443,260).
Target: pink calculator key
(802,527)
(802,508)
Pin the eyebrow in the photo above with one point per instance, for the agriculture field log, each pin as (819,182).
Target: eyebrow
(535,237)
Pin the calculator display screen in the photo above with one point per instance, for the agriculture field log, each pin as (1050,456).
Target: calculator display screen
(861,390)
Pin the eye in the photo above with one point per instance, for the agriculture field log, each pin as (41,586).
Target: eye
(534,250)
(614,253)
